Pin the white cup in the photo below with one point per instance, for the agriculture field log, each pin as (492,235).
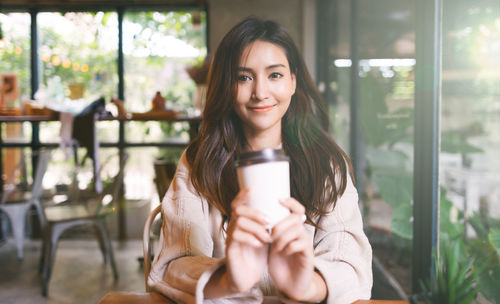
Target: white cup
(267,174)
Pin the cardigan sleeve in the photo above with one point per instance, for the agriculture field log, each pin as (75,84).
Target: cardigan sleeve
(186,259)
(343,255)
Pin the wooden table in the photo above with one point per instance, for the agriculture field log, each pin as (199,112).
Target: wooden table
(117,297)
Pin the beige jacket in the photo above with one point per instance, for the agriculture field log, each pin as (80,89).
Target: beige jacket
(193,247)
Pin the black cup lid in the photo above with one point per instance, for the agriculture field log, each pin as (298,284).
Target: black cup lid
(262,156)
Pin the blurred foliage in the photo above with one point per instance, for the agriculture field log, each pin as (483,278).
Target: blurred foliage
(465,266)
(453,280)
(177,24)
(15,51)
(381,126)
(82,47)
(389,171)
(89,56)
(87,60)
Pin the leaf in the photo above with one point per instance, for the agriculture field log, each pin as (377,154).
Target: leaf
(395,189)
(452,264)
(485,256)
(494,238)
(455,142)
(478,225)
(386,160)
(402,223)
(488,282)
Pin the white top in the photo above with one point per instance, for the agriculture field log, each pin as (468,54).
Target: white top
(193,247)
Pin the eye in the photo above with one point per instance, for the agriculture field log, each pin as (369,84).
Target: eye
(275,75)
(243,77)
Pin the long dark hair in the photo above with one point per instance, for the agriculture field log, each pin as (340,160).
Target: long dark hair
(318,166)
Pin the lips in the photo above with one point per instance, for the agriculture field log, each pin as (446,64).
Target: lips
(261,109)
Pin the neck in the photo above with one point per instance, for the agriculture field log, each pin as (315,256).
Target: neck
(267,140)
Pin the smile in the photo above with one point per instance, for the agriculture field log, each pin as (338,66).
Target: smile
(261,108)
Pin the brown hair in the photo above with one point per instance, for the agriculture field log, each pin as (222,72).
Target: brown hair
(318,166)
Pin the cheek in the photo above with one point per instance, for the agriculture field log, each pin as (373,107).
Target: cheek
(242,95)
(285,93)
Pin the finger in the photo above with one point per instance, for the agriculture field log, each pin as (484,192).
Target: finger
(245,238)
(283,237)
(241,198)
(296,246)
(287,223)
(251,213)
(257,229)
(293,205)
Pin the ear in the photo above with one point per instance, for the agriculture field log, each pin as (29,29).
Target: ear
(294,83)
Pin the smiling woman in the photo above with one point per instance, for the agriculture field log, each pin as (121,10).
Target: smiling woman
(261,96)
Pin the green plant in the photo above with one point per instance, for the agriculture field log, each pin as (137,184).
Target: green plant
(486,252)
(389,170)
(170,155)
(453,281)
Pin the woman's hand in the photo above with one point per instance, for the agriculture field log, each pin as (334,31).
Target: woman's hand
(246,245)
(291,258)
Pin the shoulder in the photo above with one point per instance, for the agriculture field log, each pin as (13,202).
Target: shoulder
(183,166)
(181,185)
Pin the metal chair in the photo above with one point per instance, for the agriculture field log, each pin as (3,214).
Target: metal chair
(89,213)
(16,203)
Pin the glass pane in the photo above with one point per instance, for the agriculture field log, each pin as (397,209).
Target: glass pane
(15,55)
(78,59)
(470,139)
(78,53)
(386,99)
(14,81)
(158,47)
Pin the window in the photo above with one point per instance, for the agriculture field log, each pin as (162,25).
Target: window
(470,138)
(78,58)
(15,51)
(14,65)
(158,47)
(385,93)
(78,51)
(470,129)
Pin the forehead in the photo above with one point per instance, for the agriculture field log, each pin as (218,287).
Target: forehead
(263,53)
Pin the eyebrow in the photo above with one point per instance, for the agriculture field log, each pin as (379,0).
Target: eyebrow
(270,67)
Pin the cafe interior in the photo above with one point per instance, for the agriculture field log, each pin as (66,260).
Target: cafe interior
(100,98)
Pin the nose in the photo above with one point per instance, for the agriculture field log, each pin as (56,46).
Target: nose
(260,89)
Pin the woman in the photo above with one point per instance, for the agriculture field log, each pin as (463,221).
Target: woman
(214,246)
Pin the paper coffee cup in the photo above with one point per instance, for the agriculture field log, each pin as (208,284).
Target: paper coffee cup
(267,174)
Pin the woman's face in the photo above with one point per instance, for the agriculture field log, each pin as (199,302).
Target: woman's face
(265,88)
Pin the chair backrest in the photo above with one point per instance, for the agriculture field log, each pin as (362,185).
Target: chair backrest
(41,168)
(164,174)
(113,189)
(36,189)
(146,246)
